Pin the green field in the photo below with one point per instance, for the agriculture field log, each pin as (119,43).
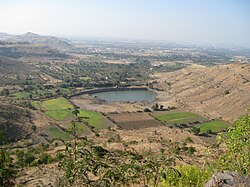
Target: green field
(59,115)
(57,104)
(214,126)
(93,118)
(55,132)
(21,95)
(177,117)
(85,78)
(58,109)
(174,116)
(80,128)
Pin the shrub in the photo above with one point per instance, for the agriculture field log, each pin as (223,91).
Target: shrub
(195,130)
(186,175)
(209,131)
(191,150)
(188,140)
(147,110)
(237,140)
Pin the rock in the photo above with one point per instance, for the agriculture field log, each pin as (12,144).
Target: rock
(228,179)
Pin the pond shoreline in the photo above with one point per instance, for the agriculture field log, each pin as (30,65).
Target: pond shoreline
(109,89)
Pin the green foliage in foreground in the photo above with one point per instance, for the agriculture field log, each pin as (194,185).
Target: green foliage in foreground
(237,140)
(6,171)
(186,176)
(83,159)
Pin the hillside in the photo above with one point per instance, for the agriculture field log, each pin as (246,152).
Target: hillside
(33,38)
(15,122)
(221,91)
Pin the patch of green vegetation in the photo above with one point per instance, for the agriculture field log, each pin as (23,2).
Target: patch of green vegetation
(36,104)
(55,132)
(84,78)
(21,95)
(214,126)
(189,120)
(65,91)
(187,175)
(59,115)
(174,116)
(93,118)
(178,117)
(80,128)
(57,104)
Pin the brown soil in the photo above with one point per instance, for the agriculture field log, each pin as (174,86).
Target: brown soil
(133,120)
(126,117)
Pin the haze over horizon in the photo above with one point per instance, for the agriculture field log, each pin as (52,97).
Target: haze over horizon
(193,21)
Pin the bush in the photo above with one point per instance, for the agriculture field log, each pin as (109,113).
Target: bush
(25,159)
(237,140)
(191,150)
(188,140)
(195,130)
(209,131)
(45,159)
(147,110)
(186,176)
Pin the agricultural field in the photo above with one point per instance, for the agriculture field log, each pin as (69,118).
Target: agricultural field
(177,117)
(55,132)
(185,119)
(58,109)
(57,104)
(93,118)
(214,126)
(59,115)
(133,120)
(21,95)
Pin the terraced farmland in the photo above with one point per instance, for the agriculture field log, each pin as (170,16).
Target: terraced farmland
(214,126)
(58,109)
(177,117)
(93,118)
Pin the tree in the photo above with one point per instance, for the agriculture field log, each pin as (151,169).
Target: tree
(195,130)
(155,107)
(147,110)
(75,112)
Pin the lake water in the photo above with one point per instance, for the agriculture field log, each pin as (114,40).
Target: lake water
(128,95)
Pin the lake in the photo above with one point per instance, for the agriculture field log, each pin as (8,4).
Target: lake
(128,95)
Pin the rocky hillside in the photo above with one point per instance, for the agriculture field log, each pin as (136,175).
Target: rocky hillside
(218,92)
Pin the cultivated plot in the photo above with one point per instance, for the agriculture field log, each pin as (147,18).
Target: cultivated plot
(133,120)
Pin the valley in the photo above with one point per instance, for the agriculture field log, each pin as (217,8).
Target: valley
(170,99)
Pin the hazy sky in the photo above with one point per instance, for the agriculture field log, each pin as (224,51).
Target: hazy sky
(212,21)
